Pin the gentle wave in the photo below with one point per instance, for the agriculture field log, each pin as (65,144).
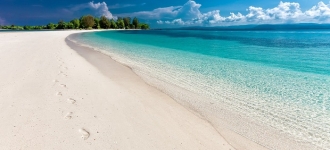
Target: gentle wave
(275,107)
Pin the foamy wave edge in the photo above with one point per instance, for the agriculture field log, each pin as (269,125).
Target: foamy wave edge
(202,107)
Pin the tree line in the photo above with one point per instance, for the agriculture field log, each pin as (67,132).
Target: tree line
(88,22)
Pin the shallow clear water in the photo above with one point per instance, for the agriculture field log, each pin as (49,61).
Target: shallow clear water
(272,87)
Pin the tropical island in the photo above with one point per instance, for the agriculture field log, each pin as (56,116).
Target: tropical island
(86,22)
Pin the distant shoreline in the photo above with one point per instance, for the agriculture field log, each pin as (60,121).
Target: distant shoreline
(260,27)
(72,30)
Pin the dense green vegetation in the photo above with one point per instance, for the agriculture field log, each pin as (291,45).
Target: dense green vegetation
(87,22)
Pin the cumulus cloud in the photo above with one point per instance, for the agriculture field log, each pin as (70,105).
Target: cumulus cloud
(285,12)
(320,12)
(187,11)
(99,9)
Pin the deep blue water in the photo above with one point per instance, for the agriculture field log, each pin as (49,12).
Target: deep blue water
(279,79)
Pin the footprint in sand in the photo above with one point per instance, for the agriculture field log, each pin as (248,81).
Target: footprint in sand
(72,101)
(63,85)
(84,134)
(59,93)
(68,116)
(56,81)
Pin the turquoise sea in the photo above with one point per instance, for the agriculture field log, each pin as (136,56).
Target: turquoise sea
(272,87)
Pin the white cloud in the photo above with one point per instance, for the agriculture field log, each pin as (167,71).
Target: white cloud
(101,9)
(320,12)
(211,17)
(160,22)
(175,21)
(285,12)
(256,14)
(235,18)
(187,11)
(179,21)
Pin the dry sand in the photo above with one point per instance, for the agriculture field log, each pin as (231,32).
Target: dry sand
(53,98)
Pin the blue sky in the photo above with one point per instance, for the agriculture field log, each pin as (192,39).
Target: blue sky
(170,13)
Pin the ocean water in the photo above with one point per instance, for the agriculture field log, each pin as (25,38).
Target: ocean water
(271,87)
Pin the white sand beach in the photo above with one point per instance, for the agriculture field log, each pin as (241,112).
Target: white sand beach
(53,98)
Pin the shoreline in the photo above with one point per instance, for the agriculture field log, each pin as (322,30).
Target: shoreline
(237,141)
(267,136)
(53,98)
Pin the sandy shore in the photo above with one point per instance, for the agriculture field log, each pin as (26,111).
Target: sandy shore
(53,98)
